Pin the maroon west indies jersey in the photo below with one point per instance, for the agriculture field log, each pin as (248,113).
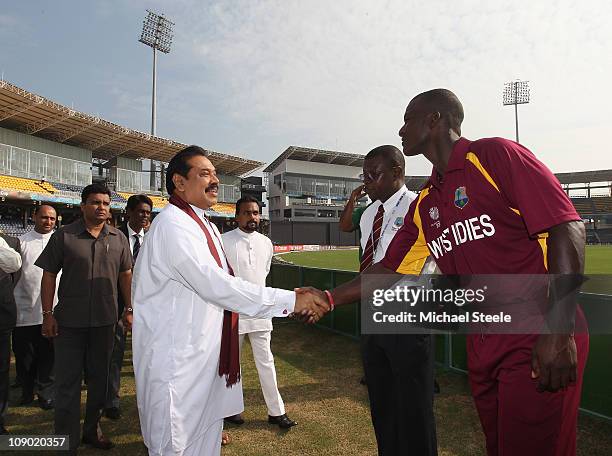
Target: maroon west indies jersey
(488,214)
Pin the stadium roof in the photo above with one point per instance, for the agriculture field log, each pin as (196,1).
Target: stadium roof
(317,155)
(35,115)
(583,177)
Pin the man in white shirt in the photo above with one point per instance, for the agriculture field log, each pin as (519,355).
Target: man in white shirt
(10,263)
(185,327)
(138,209)
(250,255)
(398,367)
(34,355)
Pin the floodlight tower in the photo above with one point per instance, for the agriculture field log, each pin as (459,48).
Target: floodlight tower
(516,93)
(157,34)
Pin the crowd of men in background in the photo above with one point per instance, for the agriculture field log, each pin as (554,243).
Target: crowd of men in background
(84,341)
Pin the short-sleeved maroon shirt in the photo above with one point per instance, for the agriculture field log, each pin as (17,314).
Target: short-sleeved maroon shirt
(488,214)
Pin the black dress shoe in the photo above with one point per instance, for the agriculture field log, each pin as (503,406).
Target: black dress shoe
(46,404)
(235,419)
(283,421)
(102,443)
(113,413)
(3,430)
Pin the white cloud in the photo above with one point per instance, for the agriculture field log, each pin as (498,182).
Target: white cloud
(339,74)
(344,71)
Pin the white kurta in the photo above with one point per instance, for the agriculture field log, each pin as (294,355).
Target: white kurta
(179,294)
(250,255)
(27,290)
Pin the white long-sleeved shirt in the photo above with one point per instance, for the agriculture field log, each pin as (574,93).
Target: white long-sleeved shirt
(250,255)
(396,208)
(10,260)
(179,294)
(27,290)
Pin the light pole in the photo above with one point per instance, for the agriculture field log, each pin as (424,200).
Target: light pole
(157,34)
(516,93)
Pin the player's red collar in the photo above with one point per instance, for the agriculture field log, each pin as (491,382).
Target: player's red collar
(456,161)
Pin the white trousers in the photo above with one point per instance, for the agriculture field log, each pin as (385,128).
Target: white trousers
(264,362)
(209,444)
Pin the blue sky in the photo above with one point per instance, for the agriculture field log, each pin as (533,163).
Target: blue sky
(250,78)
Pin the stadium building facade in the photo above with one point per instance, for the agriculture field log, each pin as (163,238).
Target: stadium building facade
(49,153)
(591,194)
(307,190)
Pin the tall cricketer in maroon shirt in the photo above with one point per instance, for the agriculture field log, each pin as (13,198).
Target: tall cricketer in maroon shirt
(489,214)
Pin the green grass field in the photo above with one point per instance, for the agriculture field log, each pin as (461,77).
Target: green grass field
(598,259)
(318,374)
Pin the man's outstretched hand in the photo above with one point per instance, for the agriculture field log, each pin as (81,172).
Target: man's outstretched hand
(310,304)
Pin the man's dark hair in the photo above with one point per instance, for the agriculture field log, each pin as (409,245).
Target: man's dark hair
(390,154)
(247,199)
(135,200)
(446,103)
(179,165)
(93,189)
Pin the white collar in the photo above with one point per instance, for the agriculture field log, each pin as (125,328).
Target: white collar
(131,232)
(36,235)
(245,235)
(393,199)
(200,212)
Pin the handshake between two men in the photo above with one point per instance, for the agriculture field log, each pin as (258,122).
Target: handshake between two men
(311,304)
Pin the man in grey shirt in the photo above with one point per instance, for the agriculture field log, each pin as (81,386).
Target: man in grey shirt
(94,257)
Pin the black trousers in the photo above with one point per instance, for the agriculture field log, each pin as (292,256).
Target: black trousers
(399,371)
(34,357)
(5,362)
(75,348)
(114,375)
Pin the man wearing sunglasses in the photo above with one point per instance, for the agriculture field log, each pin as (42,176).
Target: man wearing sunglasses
(398,367)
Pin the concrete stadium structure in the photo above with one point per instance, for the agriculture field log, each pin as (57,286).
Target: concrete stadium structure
(49,152)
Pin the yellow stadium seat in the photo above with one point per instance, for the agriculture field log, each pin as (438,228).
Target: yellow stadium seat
(26,185)
(159,202)
(224,208)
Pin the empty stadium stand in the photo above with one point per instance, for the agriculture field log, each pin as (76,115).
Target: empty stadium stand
(14,227)
(584,205)
(224,208)
(602,204)
(159,202)
(21,184)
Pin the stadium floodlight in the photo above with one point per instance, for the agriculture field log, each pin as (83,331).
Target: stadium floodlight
(516,93)
(157,34)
